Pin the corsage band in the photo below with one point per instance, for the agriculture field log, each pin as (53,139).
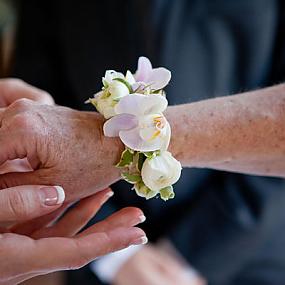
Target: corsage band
(133,107)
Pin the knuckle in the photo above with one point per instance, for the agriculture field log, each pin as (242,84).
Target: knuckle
(23,121)
(21,104)
(82,258)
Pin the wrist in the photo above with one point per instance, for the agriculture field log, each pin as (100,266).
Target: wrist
(113,148)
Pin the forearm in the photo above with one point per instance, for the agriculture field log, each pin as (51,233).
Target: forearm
(242,133)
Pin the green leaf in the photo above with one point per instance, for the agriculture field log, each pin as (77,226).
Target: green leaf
(167,193)
(116,100)
(131,178)
(158,91)
(143,191)
(126,158)
(151,154)
(141,160)
(126,83)
(106,94)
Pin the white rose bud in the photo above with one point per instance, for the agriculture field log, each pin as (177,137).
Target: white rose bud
(118,89)
(116,86)
(104,104)
(161,171)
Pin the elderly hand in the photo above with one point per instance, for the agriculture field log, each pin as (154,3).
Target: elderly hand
(36,247)
(11,90)
(154,266)
(63,146)
(31,243)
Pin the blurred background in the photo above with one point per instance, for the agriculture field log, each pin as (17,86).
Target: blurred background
(221,228)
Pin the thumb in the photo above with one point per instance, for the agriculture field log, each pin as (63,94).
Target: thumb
(27,202)
(12,179)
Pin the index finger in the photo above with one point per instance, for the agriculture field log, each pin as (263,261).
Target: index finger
(52,254)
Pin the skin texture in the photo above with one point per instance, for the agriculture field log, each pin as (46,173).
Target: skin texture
(64,147)
(161,268)
(243,133)
(33,241)
(32,248)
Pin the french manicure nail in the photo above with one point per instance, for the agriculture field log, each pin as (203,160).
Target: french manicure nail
(142,218)
(110,194)
(52,195)
(141,240)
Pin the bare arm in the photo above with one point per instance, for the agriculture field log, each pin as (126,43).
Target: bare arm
(241,133)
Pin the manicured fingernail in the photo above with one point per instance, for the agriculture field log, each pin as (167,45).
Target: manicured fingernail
(142,218)
(109,194)
(52,195)
(141,240)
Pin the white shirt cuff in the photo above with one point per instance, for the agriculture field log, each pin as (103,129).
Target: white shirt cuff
(108,266)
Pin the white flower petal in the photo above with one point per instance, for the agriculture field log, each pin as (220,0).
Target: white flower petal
(167,137)
(159,78)
(130,78)
(113,126)
(138,104)
(133,140)
(111,74)
(144,69)
(98,94)
(161,171)
(118,89)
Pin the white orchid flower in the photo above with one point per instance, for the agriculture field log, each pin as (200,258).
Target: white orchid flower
(140,123)
(116,86)
(161,171)
(146,76)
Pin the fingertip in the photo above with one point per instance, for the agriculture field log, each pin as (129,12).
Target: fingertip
(138,236)
(110,194)
(134,211)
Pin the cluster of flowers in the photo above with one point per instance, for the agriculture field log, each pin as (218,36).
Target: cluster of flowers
(133,106)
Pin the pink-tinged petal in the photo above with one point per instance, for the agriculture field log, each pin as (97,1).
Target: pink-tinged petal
(138,86)
(133,140)
(159,78)
(138,104)
(144,69)
(113,126)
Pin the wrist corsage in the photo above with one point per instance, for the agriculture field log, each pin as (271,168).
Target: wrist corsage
(133,106)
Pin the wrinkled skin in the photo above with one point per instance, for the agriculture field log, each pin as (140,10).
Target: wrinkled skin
(63,146)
